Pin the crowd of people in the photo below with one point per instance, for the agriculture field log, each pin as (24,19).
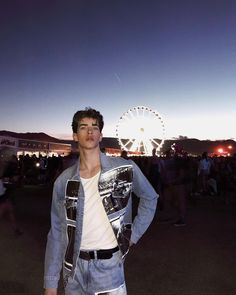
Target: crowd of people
(175,176)
(203,174)
(28,169)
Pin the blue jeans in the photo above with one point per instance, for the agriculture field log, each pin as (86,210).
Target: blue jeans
(98,276)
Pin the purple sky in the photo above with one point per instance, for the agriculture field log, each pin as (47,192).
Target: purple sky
(176,57)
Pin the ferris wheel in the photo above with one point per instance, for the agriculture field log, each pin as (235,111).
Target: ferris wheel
(140,129)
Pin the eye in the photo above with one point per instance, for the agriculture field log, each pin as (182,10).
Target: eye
(82,127)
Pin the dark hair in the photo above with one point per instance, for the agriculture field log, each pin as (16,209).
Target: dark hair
(204,155)
(87,113)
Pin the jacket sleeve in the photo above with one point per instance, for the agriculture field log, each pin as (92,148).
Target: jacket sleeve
(147,204)
(54,251)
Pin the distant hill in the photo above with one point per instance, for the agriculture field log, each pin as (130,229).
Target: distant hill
(38,136)
(190,145)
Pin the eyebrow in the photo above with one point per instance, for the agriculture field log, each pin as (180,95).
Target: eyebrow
(84,124)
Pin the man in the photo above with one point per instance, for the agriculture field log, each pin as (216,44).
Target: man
(176,180)
(204,169)
(91,224)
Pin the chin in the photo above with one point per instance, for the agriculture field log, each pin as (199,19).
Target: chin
(90,146)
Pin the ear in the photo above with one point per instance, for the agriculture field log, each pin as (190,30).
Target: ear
(75,137)
(100,139)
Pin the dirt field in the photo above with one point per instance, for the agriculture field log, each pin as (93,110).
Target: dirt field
(198,259)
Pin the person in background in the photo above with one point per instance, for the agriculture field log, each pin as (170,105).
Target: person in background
(176,180)
(7,209)
(204,170)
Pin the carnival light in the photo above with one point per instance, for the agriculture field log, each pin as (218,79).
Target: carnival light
(220,150)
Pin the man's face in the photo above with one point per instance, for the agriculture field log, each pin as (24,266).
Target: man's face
(88,134)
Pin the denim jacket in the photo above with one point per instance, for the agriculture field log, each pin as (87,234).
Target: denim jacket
(118,179)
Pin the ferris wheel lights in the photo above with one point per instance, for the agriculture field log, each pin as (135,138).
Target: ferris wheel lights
(136,127)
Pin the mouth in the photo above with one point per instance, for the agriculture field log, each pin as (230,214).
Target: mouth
(89,139)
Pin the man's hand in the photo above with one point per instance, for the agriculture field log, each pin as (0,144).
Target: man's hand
(50,291)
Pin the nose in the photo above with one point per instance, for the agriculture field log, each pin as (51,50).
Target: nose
(90,129)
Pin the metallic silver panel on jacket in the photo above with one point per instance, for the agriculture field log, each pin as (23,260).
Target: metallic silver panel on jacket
(115,188)
(72,193)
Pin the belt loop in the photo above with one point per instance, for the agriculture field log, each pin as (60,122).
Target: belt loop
(95,255)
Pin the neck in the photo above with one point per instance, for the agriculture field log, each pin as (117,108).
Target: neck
(89,163)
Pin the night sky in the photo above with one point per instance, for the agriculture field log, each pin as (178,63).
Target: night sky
(176,57)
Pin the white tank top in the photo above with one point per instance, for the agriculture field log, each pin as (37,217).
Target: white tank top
(97,232)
